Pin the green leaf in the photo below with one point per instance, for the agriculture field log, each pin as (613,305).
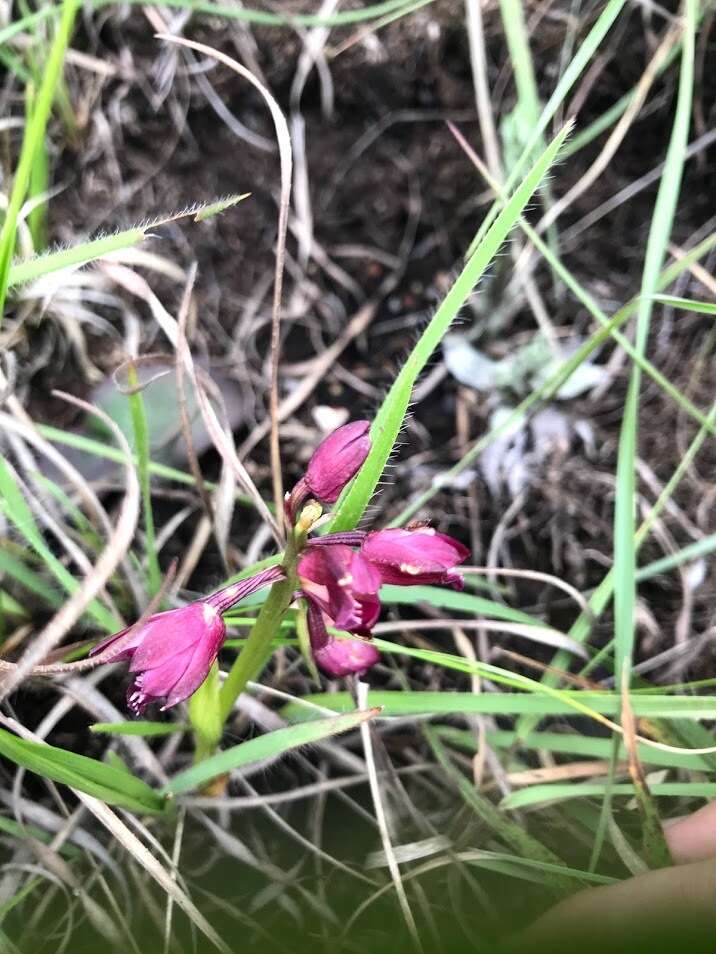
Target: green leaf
(450,599)
(507,830)
(214,208)
(389,419)
(572,743)
(625,547)
(111,785)
(265,746)
(402,703)
(557,792)
(147,729)
(33,140)
(686,304)
(17,510)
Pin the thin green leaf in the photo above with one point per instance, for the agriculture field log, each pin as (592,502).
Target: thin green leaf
(21,273)
(556,792)
(389,419)
(214,208)
(147,729)
(573,743)
(450,599)
(686,304)
(625,548)
(33,140)
(404,703)
(17,510)
(265,746)
(141,448)
(508,831)
(109,784)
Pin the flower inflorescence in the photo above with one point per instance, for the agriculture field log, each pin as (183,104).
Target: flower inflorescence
(338,575)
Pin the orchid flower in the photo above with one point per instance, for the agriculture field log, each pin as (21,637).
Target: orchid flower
(338,575)
(172,652)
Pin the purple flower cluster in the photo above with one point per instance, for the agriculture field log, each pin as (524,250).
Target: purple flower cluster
(339,575)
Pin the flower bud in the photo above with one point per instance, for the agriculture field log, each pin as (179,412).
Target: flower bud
(337,460)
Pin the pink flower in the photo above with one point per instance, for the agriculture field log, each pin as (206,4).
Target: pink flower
(342,588)
(336,460)
(172,652)
(411,557)
(338,657)
(342,584)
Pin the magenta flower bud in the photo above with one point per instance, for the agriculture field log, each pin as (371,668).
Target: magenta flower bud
(337,657)
(172,652)
(336,460)
(410,557)
(342,584)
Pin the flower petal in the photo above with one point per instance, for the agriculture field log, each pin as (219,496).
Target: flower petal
(344,657)
(173,633)
(198,669)
(409,557)
(343,584)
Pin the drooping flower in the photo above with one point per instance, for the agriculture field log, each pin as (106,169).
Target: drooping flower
(415,556)
(335,462)
(342,584)
(342,588)
(338,657)
(171,653)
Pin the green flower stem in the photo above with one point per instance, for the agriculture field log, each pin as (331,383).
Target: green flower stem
(205,716)
(252,657)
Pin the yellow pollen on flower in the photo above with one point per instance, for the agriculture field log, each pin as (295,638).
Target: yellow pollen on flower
(309,515)
(410,569)
(346,580)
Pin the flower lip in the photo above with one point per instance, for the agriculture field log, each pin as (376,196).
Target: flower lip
(342,584)
(346,657)
(337,657)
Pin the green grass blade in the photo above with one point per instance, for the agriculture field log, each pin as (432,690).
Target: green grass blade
(554,383)
(113,786)
(691,552)
(686,304)
(452,600)
(389,419)
(264,746)
(26,577)
(33,141)
(23,272)
(504,828)
(91,446)
(144,729)
(429,703)
(18,511)
(573,743)
(141,448)
(556,792)
(625,506)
